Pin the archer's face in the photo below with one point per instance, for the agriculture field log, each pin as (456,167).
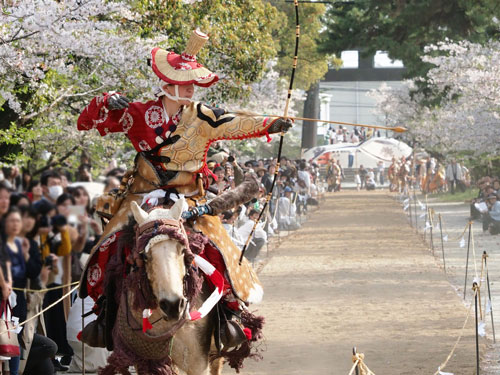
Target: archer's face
(185,91)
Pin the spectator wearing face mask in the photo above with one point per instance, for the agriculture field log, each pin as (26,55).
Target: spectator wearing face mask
(51,186)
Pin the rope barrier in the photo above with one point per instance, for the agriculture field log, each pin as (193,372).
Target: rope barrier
(43,310)
(45,289)
(443,365)
(408,200)
(460,236)
(477,283)
(358,360)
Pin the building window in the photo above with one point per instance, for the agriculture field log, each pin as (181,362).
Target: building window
(350,59)
(382,60)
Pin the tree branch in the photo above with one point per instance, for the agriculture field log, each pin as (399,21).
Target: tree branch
(66,94)
(57,161)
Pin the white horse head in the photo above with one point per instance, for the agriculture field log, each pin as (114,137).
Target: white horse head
(164,258)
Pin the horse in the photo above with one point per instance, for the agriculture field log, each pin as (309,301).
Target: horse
(156,329)
(436,183)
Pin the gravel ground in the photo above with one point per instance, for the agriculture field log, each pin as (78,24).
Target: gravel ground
(357,274)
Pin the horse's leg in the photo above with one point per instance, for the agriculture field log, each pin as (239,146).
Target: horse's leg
(216,366)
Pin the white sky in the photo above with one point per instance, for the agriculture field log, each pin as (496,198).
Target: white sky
(381,60)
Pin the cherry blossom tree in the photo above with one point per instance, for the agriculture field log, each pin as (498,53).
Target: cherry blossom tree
(55,55)
(467,118)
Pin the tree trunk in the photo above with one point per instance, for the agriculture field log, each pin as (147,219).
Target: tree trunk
(311,110)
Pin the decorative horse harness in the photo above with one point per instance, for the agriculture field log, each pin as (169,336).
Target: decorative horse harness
(160,230)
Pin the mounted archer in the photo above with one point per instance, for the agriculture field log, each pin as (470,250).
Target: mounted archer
(172,135)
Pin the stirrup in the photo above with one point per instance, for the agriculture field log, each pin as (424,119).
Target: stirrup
(231,334)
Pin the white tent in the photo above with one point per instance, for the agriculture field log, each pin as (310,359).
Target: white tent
(367,153)
(93,188)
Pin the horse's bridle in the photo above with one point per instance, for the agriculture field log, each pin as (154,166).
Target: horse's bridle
(172,226)
(152,229)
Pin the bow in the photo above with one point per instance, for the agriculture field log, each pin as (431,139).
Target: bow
(282,135)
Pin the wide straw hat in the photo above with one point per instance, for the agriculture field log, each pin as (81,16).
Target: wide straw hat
(183,69)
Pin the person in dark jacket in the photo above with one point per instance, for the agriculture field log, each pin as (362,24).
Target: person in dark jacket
(26,264)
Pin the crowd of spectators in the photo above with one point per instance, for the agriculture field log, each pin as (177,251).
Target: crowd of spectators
(343,135)
(486,206)
(297,187)
(45,227)
(48,226)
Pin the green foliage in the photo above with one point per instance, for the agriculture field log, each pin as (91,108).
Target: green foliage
(404,28)
(312,64)
(244,36)
(241,36)
(459,196)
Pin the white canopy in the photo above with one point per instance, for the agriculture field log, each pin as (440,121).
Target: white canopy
(367,153)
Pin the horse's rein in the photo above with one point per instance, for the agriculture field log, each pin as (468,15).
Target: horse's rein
(215,277)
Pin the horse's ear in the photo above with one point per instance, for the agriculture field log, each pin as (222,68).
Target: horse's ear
(178,208)
(139,214)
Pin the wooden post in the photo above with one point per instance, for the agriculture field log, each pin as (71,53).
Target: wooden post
(431,222)
(467,262)
(485,255)
(476,290)
(415,211)
(442,242)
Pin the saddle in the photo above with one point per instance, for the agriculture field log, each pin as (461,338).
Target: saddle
(244,281)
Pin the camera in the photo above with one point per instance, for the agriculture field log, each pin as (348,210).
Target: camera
(230,158)
(44,221)
(48,261)
(58,221)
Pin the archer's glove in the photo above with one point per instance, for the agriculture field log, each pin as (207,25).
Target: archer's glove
(117,101)
(280,125)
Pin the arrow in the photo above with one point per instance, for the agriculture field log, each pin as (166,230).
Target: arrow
(397,129)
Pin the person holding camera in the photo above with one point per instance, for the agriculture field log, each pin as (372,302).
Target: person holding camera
(56,248)
(25,265)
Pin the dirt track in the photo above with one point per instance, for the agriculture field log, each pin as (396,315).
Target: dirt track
(357,275)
